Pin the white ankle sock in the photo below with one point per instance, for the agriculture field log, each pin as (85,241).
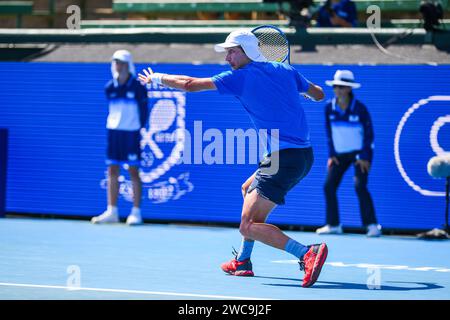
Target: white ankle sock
(113,209)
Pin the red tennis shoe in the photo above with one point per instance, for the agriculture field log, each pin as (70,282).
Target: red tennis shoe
(238,268)
(312,263)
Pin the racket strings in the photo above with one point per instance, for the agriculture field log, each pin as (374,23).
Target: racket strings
(273,45)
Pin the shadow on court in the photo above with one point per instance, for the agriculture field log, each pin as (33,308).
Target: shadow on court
(353,286)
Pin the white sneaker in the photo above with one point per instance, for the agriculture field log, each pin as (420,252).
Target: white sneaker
(327,229)
(373,230)
(135,217)
(111,215)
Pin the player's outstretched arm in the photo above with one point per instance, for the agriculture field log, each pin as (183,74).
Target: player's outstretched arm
(180,82)
(189,84)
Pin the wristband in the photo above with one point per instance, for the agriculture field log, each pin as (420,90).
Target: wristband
(157,78)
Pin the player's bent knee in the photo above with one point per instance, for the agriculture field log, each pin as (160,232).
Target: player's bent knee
(245,228)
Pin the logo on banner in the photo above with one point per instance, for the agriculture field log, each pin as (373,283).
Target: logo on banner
(162,146)
(434,140)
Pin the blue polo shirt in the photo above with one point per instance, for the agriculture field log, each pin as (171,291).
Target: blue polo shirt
(350,130)
(270,93)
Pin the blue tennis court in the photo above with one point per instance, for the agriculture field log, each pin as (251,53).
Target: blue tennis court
(69,259)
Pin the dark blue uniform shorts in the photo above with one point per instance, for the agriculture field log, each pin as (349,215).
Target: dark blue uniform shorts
(124,147)
(273,182)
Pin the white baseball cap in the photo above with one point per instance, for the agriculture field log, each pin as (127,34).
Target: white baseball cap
(343,78)
(247,40)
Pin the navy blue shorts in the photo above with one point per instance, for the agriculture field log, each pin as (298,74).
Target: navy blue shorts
(124,147)
(272,184)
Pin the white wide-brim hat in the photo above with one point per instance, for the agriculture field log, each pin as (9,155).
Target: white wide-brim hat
(247,40)
(343,78)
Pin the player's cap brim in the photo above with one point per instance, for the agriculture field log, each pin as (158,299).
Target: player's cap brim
(221,47)
(252,52)
(353,85)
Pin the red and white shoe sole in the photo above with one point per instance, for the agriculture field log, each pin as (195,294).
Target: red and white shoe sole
(246,273)
(243,273)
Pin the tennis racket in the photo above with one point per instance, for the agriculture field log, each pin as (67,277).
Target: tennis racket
(273,43)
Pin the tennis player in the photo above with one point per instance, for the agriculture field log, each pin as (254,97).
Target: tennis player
(270,93)
(127,115)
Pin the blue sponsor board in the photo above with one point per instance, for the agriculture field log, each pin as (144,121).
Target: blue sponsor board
(56,115)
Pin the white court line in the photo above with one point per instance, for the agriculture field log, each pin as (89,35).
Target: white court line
(193,295)
(372,265)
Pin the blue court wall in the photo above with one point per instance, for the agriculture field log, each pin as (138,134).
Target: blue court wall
(56,114)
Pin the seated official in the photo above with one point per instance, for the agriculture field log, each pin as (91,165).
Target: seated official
(337,13)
